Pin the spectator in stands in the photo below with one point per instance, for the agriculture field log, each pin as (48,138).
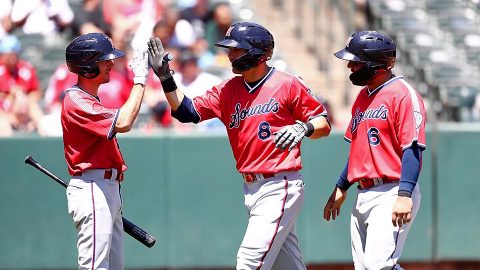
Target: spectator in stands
(5,21)
(20,87)
(191,78)
(218,24)
(133,20)
(476,108)
(195,82)
(61,79)
(41,16)
(174,32)
(197,15)
(89,19)
(215,29)
(206,58)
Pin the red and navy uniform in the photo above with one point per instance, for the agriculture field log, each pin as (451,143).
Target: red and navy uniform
(88,133)
(385,122)
(252,115)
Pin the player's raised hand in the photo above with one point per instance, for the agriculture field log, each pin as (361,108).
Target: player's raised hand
(332,207)
(139,66)
(290,135)
(159,59)
(402,211)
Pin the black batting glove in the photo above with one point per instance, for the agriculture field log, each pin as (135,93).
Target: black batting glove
(290,135)
(159,59)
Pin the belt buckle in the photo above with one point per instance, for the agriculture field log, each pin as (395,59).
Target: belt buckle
(368,183)
(249,177)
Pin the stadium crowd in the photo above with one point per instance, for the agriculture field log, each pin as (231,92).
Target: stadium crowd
(188,28)
(34,33)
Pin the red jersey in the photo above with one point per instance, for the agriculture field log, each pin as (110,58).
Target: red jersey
(384,122)
(88,133)
(252,115)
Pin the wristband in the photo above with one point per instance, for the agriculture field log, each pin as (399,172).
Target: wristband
(169,85)
(310,129)
(404,193)
(140,80)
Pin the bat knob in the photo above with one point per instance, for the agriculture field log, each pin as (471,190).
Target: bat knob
(29,159)
(167,57)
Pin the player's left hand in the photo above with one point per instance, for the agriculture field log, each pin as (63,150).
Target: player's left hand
(402,211)
(290,135)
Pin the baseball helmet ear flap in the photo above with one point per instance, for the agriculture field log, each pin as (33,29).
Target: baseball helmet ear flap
(83,53)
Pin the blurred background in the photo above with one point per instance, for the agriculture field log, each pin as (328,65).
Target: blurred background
(193,205)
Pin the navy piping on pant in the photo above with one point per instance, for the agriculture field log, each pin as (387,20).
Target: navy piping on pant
(278,223)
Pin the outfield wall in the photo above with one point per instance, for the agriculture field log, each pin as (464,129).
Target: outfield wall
(185,191)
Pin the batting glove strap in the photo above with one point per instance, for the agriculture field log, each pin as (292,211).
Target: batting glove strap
(169,85)
(310,129)
(291,135)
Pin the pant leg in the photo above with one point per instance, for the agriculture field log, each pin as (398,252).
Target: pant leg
(358,234)
(88,204)
(385,242)
(290,256)
(117,249)
(273,208)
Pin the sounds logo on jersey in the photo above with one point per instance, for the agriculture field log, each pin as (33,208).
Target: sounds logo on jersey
(379,113)
(241,114)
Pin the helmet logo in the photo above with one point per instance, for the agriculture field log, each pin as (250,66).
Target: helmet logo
(110,40)
(229,31)
(348,41)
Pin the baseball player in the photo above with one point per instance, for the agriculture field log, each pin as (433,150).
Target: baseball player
(91,149)
(387,137)
(267,113)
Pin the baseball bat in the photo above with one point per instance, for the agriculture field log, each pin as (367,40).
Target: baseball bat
(130,228)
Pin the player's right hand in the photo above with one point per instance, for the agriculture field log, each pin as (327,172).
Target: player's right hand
(332,207)
(159,59)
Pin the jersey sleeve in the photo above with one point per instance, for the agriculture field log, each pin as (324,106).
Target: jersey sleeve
(304,105)
(92,116)
(208,104)
(348,133)
(410,120)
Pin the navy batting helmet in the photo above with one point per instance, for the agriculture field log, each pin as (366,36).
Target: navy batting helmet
(252,37)
(83,53)
(374,49)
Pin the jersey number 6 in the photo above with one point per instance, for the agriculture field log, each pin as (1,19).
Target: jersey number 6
(373,137)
